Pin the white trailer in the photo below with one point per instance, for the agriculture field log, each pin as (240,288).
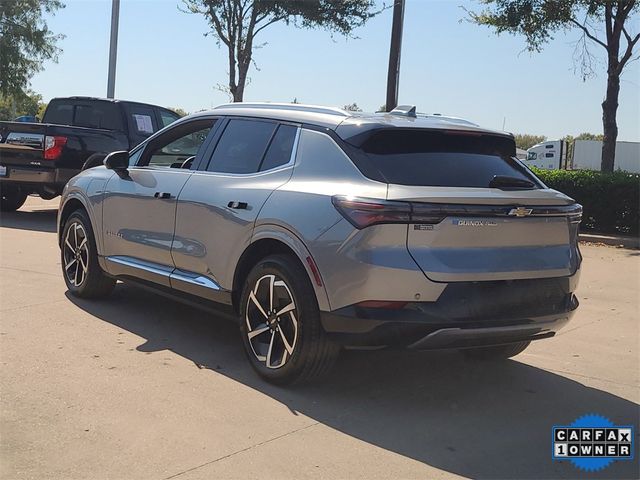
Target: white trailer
(582,155)
(587,155)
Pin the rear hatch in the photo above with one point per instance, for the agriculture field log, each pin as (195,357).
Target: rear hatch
(476,213)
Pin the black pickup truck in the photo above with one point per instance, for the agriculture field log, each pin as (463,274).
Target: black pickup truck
(76,133)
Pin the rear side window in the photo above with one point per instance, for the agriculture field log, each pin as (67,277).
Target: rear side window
(98,115)
(242,146)
(419,157)
(60,113)
(279,152)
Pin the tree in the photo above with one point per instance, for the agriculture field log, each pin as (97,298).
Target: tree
(180,111)
(590,136)
(13,106)
(525,140)
(237,23)
(352,107)
(537,20)
(25,42)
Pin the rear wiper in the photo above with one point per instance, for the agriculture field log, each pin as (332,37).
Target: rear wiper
(505,181)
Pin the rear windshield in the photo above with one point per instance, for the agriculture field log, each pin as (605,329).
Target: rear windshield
(92,114)
(418,157)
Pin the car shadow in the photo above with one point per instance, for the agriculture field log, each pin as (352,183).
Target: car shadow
(477,420)
(41,220)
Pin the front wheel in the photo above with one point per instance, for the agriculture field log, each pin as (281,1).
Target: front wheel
(498,352)
(11,198)
(280,323)
(79,258)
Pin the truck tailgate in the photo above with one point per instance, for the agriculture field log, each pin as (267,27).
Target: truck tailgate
(22,144)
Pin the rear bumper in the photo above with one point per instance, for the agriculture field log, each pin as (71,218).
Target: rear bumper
(36,179)
(423,326)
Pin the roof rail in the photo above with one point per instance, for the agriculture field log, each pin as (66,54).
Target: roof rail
(287,106)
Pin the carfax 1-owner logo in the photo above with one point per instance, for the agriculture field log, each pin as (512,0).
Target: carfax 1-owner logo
(592,442)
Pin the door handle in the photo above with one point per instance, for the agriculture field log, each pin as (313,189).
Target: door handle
(162,195)
(237,205)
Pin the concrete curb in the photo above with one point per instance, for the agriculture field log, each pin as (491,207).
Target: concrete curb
(613,240)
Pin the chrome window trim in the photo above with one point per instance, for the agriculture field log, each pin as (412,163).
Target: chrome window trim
(284,166)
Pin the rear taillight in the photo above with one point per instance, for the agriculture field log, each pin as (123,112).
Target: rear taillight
(53,146)
(363,212)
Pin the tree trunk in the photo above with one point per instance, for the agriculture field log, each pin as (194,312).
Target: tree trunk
(609,123)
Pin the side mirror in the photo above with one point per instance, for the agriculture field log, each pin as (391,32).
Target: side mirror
(118,161)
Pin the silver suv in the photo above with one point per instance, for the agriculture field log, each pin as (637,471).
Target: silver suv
(318,228)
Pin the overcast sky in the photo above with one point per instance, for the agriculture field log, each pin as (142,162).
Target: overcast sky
(448,66)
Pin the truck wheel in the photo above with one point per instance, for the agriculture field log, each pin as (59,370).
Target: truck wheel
(11,199)
(79,259)
(280,323)
(498,352)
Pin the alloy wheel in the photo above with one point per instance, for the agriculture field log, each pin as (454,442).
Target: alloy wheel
(272,324)
(76,254)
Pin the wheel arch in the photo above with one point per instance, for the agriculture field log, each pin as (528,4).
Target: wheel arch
(72,204)
(273,242)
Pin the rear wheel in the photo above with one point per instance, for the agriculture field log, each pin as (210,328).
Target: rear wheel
(11,198)
(280,323)
(498,352)
(79,258)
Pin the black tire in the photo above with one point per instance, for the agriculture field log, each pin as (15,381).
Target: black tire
(84,277)
(498,352)
(11,198)
(312,352)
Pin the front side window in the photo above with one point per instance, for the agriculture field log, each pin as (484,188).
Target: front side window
(178,147)
(242,146)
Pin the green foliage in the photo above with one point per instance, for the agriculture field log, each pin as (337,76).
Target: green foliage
(611,201)
(25,42)
(13,106)
(236,23)
(525,140)
(180,111)
(353,107)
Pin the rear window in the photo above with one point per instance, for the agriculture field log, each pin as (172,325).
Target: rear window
(414,157)
(60,113)
(98,115)
(242,146)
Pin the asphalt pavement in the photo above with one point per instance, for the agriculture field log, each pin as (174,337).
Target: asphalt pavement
(138,386)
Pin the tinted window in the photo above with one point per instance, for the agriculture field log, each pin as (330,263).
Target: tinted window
(179,144)
(242,146)
(167,118)
(142,120)
(60,113)
(279,152)
(414,157)
(98,115)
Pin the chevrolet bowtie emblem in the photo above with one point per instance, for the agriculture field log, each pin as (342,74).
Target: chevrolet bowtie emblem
(520,212)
